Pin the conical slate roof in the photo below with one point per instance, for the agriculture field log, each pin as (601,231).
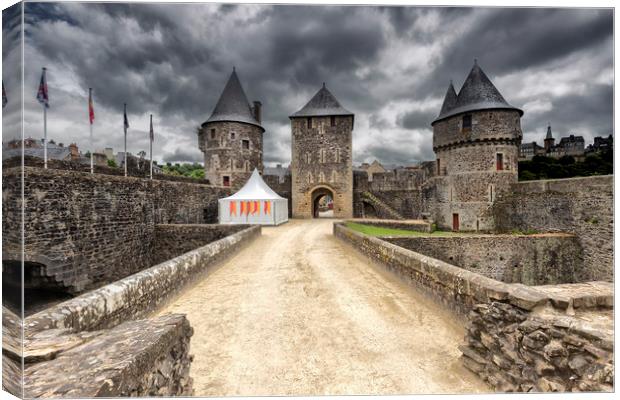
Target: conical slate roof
(322,104)
(477,93)
(449,102)
(233,104)
(254,189)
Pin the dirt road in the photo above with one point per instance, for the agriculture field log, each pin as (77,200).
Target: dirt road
(298,312)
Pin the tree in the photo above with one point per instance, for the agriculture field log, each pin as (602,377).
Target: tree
(112,163)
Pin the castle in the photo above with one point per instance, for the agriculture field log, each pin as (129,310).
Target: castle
(476,139)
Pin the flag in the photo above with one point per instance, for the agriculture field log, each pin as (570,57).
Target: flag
(233,208)
(256,207)
(42,95)
(242,207)
(152,135)
(267,207)
(4,98)
(125,120)
(91,110)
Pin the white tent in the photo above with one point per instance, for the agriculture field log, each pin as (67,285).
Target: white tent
(254,203)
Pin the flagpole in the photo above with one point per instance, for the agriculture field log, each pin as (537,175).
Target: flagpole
(125,127)
(151,145)
(44,136)
(45,126)
(92,150)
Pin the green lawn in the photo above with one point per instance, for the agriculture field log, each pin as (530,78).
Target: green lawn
(380,231)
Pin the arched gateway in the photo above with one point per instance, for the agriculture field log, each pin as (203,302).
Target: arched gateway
(322,202)
(321,157)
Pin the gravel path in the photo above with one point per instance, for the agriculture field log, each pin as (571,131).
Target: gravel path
(297,312)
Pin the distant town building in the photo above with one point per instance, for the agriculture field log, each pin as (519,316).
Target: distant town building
(374,168)
(600,144)
(35,148)
(278,171)
(571,145)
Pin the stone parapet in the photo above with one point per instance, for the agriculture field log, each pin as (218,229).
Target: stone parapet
(137,295)
(138,358)
(519,338)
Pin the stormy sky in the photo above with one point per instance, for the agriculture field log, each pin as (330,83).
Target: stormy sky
(389,65)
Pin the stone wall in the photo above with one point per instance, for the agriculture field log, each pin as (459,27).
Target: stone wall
(528,259)
(173,240)
(84,230)
(138,358)
(582,206)
(140,294)
(518,351)
(281,187)
(134,169)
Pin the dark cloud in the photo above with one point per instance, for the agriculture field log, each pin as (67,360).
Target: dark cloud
(389,65)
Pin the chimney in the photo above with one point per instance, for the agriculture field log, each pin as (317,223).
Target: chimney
(258,111)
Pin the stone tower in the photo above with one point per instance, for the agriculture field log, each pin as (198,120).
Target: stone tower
(232,138)
(549,140)
(321,162)
(476,140)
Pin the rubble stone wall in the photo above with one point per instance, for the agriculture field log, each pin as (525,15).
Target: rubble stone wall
(138,358)
(581,206)
(519,351)
(528,259)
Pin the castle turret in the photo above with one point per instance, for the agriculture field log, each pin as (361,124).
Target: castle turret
(232,138)
(321,162)
(476,139)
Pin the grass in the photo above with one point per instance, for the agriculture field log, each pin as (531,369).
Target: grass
(381,231)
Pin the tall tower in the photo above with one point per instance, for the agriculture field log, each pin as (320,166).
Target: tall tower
(549,140)
(321,162)
(476,139)
(232,138)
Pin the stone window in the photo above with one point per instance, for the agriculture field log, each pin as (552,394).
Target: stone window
(212,133)
(499,162)
(491,193)
(308,158)
(334,176)
(321,177)
(226,180)
(232,135)
(309,122)
(309,178)
(337,157)
(438,166)
(466,123)
(332,121)
(322,156)
(245,144)
(247,166)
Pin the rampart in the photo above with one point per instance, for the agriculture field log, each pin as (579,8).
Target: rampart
(529,259)
(518,338)
(83,230)
(581,206)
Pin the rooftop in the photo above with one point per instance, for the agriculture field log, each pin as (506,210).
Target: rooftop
(233,105)
(477,93)
(323,103)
